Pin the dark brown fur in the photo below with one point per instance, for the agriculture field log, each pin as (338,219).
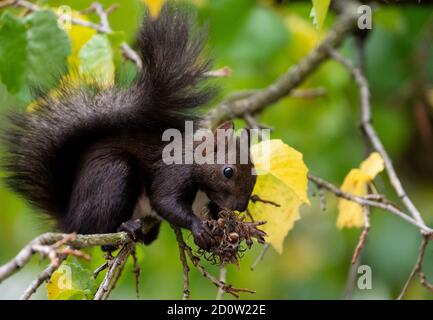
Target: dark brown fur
(85,156)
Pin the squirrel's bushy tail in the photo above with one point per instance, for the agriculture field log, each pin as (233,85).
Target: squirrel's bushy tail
(43,146)
(171,50)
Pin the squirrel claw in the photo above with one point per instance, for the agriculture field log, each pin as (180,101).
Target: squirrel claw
(133,228)
(202,235)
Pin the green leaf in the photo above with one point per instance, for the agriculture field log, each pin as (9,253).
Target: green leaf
(391,19)
(262,36)
(226,19)
(71,282)
(48,49)
(319,12)
(96,60)
(116,38)
(13,52)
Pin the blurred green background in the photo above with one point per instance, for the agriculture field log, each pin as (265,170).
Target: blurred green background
(260,40)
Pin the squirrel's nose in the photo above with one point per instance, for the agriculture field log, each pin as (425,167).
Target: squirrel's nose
(242,206)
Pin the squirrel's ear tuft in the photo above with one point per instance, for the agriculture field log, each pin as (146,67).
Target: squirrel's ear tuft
(228,125)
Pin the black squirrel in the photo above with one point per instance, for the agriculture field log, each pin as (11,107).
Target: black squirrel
(91,158)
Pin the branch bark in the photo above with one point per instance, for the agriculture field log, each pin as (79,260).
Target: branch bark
(221,285)
(47,239)
(371,134)
(222,278)
(185,268)
(368,201)
(260,99)
(417,269)
(43,277)
(114,272)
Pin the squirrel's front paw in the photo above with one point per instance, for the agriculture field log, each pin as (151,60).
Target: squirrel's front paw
(202,235)
(133,228)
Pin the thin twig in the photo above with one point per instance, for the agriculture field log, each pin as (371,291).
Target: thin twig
(42,277)
(219,73)
(185,268)
(251,121)
(103,16)
(255,198)
(44,242)
(283,86)
(114,271)
(196,262)
(137,272)
(100,269)
(352,276)
(222,278)
(371,134)
(322,198)
(417,269)
(260,257)
(365,201)
(363,236)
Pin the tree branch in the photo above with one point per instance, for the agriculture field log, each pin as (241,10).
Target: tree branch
(363,237)
(371,134)
(114,272)
(185,268)
(222,278)
(417,269)
(265,249)
(42,277)
(370,202)
(196,262)
(48,239)
(260,99)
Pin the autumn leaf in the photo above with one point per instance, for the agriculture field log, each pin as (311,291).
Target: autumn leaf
(96,60)
(356,182)
(304,36)
(79,36)
(283,181)
(373,165)
(319,12)
(71,282)
(154,7)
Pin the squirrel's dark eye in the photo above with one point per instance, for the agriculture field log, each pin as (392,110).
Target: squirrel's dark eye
(229,172)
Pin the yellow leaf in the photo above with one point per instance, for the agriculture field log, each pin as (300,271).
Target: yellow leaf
(154,7)
(351,214)
(70,282)
(283,180)
(372,165)
(356,182)
(305,36)
(53,289)
(319,12)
